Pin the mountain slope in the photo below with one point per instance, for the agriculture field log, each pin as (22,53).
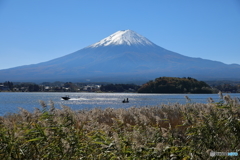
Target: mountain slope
(124,55)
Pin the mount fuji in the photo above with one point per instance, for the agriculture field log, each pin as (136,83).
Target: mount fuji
(124,56)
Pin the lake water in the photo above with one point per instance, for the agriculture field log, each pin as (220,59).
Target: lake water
(11,101)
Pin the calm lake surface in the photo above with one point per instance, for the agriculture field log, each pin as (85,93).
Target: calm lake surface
(11,101)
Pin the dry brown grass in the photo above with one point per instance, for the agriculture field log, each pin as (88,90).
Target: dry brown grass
(159,132)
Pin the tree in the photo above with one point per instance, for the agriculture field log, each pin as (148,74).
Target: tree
(33,88)
(8,84)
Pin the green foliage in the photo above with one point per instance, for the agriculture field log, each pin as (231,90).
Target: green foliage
(175,85)
(225,86)
(172,131)
(228,88)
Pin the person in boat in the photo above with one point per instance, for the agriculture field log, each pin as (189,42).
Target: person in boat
(125,101)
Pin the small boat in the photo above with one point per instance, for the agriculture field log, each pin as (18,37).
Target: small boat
(66,98)
(125,101)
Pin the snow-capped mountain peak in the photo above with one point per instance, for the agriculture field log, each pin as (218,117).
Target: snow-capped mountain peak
(123,37)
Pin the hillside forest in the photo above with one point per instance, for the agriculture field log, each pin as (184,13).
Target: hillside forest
(175,85)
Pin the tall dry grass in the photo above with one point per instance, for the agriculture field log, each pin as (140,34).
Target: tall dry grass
(171,131)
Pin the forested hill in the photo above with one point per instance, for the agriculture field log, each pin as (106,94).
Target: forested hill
(175,85)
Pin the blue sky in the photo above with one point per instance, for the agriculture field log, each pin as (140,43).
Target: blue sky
(34,31)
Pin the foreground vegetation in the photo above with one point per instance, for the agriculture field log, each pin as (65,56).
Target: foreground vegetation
(172,131)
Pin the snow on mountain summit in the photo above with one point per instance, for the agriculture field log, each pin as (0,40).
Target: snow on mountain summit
(123,37)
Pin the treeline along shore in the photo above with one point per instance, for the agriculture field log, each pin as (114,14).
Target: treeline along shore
(168,131)
(159,85)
